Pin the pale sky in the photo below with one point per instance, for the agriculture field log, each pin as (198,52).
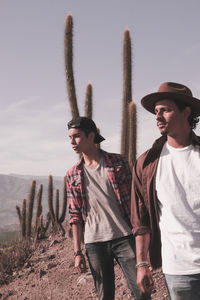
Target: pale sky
(34,102)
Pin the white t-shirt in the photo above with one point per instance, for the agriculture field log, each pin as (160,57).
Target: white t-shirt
(104,220)
(178,190)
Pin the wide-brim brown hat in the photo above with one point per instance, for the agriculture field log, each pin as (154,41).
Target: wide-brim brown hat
(173,91)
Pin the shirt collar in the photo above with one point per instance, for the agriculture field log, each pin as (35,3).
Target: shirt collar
(79,165)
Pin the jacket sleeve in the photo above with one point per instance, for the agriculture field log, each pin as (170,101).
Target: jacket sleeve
(139,211)
(73,208)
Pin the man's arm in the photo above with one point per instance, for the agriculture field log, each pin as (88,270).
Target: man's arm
(141,230)
(77,232)
(76,223)
(144,276)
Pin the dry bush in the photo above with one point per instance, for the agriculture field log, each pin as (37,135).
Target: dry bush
(13,258)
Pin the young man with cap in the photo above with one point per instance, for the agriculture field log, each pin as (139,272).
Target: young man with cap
(166,195)
(98,192)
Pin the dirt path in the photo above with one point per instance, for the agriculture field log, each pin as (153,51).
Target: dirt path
(50,274)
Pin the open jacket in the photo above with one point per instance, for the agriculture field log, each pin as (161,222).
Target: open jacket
(144,201)
(119,174)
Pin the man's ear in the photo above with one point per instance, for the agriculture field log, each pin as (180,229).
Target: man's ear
(187,111)
(91,136)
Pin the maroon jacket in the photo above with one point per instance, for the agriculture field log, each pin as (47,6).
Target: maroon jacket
(144,201)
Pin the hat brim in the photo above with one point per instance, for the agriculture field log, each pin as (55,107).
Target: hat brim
(149,101)
(98,138)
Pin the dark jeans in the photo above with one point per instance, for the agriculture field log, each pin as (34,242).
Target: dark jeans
(183,287)
(101,261)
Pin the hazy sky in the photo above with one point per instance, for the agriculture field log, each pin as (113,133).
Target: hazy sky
(33,96)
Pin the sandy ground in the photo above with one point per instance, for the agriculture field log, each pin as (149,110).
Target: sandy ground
(50,274)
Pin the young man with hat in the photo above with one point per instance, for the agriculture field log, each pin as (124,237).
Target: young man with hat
(99,198)
(165,210)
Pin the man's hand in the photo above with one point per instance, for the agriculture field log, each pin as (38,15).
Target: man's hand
(145,279)
(80,263)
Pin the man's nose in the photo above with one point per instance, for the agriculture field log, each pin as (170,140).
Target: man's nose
(158,115)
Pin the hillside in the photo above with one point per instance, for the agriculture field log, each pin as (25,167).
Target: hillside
(13,189)
(49,274)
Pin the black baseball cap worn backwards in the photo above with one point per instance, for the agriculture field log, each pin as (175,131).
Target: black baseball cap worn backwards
(87,125)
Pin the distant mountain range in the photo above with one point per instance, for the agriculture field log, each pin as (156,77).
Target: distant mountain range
(14,188)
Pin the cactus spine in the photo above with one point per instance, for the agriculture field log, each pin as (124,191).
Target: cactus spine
(69,66)
(127,91)
(132,134)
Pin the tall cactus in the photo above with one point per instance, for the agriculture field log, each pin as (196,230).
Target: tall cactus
(30,210)
(69,66)
(88,101)
(23,224)
(68,42)
(50,199)
(19,214)
(22,218)
(57,206)
(38,210)
(64,207)
(132,133)
(127,91)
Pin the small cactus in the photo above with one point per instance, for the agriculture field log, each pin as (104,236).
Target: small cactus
(42,228)
(56,220)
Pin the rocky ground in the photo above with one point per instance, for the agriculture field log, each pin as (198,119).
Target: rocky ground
(50,274)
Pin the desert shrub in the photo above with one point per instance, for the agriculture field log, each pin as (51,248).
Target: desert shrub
(13,258)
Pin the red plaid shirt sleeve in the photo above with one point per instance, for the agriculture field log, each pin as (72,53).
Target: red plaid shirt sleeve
(76,198)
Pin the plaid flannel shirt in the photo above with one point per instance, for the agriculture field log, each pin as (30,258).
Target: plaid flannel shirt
(119,174)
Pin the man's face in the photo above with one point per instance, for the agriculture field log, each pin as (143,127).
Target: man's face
(170,120)
(79,141)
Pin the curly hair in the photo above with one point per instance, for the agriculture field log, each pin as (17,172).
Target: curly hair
(192,119)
